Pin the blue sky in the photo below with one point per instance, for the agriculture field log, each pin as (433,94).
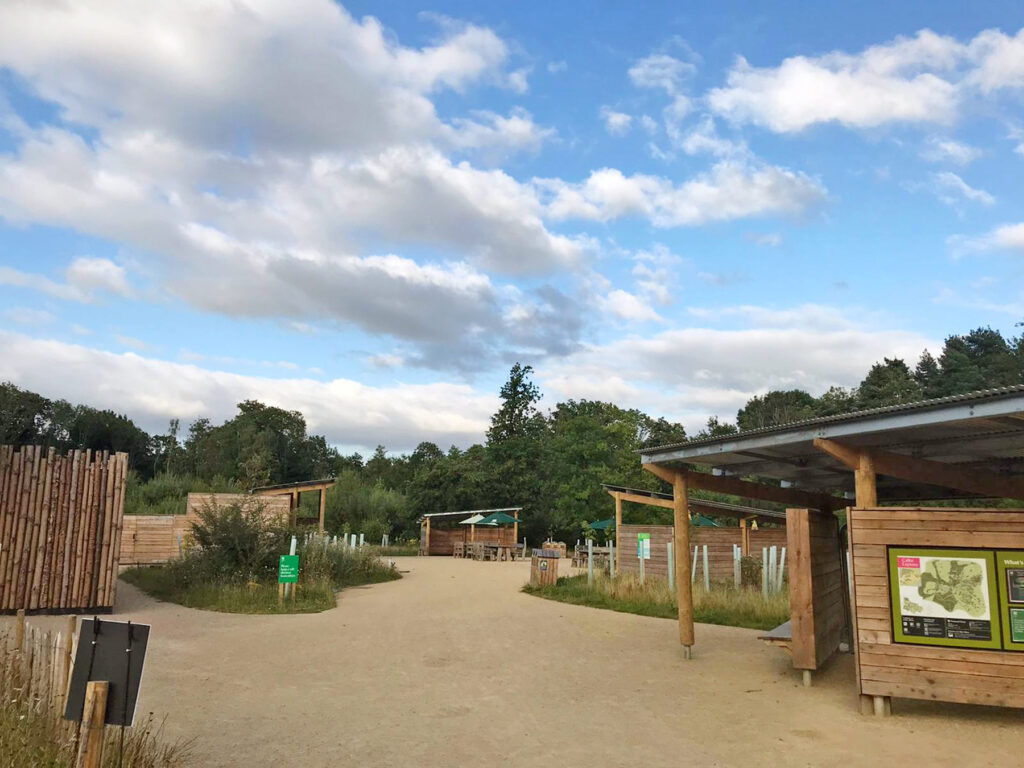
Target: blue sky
(368,212)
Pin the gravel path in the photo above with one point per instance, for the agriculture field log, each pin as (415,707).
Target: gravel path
(454,666)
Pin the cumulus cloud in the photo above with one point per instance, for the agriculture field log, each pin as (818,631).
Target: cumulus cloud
(152,391)
(921,79)
(628,306)
(692,373)
(1008,237)
(661,71)
(731,190)
(616,123)
(952,190)
(85,280)
(939,150)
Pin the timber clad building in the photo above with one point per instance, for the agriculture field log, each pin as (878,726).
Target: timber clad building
(934,602)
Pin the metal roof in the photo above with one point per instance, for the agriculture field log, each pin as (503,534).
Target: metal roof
(326,482)
(469,512)
(980,429)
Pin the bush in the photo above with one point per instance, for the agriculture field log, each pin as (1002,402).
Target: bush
(240,541)
(166,493)
(342,566)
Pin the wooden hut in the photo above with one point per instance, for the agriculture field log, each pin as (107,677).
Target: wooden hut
(936,594)
(440,531)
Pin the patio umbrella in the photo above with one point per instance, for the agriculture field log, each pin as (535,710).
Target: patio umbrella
(603,525)
(474,520)
(498,518)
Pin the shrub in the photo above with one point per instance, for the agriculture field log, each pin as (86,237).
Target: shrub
(239,540)
(342,566)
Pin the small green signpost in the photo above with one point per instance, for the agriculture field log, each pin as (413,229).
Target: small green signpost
(643,546)
(288,569)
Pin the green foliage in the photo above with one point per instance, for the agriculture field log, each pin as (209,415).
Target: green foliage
(166,493)
(237,542)
(888,383)
(775,408)
(724,604)
(342,566)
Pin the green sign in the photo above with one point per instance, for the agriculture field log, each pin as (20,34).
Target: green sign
(945,597)
(643,546)
(288,569)
(1010,565)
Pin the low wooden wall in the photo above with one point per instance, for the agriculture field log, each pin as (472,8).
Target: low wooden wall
(60,525)
(888,668)
(719,542)
(153,539)
(442,539)
(816,587)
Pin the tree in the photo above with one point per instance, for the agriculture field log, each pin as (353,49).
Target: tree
(774,408)
(927,375)
(888,383)
(835,401)
(518,416)
(23,415)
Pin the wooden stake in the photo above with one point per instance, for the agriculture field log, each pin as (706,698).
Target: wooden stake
(19,630)
(90,734)
(681,519)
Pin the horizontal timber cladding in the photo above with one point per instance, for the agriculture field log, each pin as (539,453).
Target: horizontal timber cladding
(816,587)
(719,542)
(937,673)
(60,524)
(442,539)
(152,539)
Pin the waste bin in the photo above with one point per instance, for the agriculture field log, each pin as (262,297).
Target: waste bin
(544,567)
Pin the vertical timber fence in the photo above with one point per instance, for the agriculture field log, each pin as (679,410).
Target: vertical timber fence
(60,529)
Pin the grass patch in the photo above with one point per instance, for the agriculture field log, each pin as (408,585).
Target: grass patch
(33,733)
(396,550)
(724,604)
(253,597)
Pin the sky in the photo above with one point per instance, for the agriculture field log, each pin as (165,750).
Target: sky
(368,212)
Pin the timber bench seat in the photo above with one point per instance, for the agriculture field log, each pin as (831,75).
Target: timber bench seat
(781,636)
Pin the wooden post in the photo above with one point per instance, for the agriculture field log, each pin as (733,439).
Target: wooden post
(323,507)
(590,562)
(671,569)
(90,734)
(684,593)
(427,537)
(744,538)
(618,526)
(515,527)
(19,630)
(707,573)
(865,483)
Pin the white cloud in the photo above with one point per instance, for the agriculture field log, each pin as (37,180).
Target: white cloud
(952,190)
(1008,237)
(939,150)
(662,71)
(557,66)
(85,279)
(153,391)
(704,139)
(656,272)
(616,123)
(731,190)
(767,239)
(628,306)
(692,373)
(494,133)
(999,60)
(649,124)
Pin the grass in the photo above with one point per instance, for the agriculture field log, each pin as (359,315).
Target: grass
(196,582)
(33,734)
(724,604)
(251,597)
(396,550)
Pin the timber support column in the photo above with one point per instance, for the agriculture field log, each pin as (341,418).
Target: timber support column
(323,507)
(618,526)
(744,538)
(865,483)
(684,589)
(515,529)
(427,539)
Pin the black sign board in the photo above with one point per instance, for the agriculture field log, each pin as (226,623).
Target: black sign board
(112,651)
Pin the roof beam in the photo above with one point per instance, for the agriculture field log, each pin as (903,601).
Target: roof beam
(926,471)
(749,490)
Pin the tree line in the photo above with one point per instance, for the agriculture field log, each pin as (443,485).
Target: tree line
(551,463)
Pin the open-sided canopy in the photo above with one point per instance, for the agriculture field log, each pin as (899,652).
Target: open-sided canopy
(498,518)
(976,440)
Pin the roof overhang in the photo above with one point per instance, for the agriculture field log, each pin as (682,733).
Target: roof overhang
(983,430)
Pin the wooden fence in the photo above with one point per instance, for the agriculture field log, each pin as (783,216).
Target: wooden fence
(35,666)
(60,529)
(719,542)
(153,539)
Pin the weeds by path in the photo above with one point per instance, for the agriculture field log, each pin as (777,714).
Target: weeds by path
(724,604)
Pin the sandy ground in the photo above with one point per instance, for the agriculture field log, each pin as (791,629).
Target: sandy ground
(454,666)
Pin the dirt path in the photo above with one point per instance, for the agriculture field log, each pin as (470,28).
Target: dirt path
(453,666)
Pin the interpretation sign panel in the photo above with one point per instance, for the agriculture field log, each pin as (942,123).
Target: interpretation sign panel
(643,546)
(288,569)
(1010,566)
(945,597)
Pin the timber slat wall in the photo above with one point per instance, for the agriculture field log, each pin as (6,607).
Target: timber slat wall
(60,528)
(885,668)
(442,539)
(816,605)
(153,539)
(718,540)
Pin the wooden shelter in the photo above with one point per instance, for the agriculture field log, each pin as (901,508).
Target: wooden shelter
(292,491)
(440,531)
(718,540)
(937,593)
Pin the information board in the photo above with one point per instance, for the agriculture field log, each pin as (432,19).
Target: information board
(643,546)
(288,569)
(1010,567)
(945,597)
(113,651)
